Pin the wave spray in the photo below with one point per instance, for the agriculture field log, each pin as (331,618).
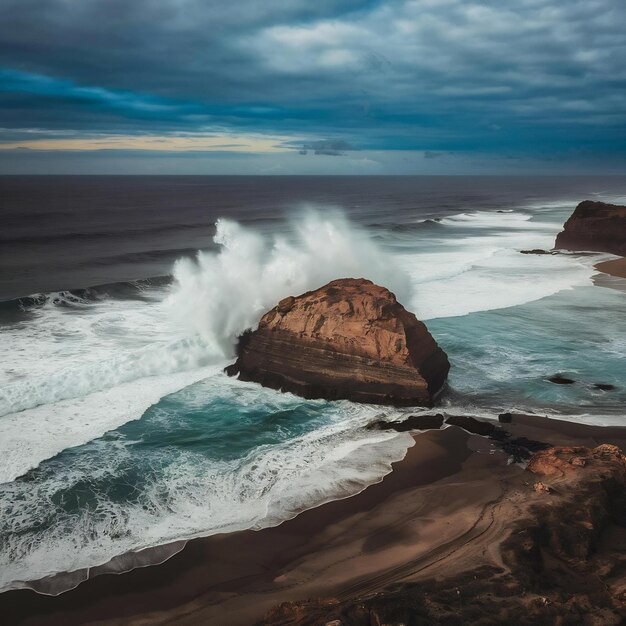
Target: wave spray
(220,294)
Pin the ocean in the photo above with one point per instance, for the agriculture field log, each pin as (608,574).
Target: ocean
(121,299)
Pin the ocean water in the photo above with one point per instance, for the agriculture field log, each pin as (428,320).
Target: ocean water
(121,299)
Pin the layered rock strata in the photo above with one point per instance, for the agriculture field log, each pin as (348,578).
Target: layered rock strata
(350,339)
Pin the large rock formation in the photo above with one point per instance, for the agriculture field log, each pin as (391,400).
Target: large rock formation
(595,226)
(350,339)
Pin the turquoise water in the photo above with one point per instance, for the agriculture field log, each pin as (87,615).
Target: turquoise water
(216,456)
(502,359)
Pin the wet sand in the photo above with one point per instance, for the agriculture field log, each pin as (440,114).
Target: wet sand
(615,267)
(429,517)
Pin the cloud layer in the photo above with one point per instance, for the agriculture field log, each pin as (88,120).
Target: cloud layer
(528,78)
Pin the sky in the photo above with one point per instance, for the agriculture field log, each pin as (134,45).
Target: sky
(322,87)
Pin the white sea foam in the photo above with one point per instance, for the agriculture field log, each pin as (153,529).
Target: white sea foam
(552,205)
(505,220)
(30,436)
(81,379)
(76,373)
(70,362)
(221,294)
(483,269)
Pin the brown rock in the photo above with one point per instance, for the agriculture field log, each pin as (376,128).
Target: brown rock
(350,339)
(604,386)
(565,462)
(595,226)
(540,487)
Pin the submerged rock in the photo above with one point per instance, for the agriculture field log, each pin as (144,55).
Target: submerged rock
(558,379)
(604,386)
(595,226)
(350,339)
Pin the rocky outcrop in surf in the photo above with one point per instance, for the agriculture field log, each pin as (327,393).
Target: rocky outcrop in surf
(350,339)
(413,422)
(595,226)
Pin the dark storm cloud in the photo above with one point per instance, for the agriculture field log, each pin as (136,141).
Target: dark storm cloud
(433,75)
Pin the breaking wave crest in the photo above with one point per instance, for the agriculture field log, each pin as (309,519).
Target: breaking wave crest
(126,290)
(219,295)
(259,458)
(101,356)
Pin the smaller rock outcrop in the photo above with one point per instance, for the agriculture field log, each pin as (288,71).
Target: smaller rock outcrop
(595,226)
(604,386)
(563,462)
(472,425)
(350,339)
(413,422)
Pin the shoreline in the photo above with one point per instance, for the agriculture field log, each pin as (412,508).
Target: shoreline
(613,267)
(410,526)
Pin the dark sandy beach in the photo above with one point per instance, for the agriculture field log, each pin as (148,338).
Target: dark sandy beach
(444,509)
(614,267)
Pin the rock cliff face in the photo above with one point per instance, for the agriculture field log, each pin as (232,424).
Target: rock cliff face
(595,226)
(350,339)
